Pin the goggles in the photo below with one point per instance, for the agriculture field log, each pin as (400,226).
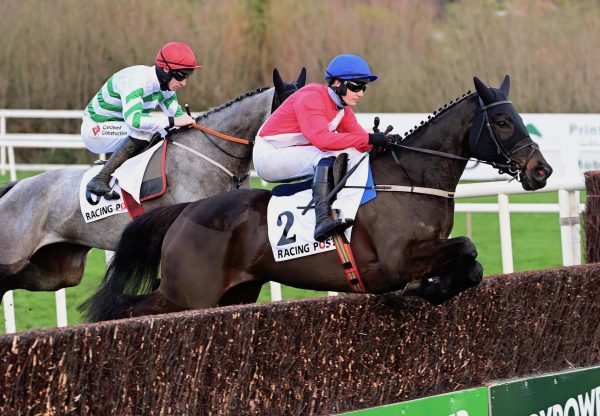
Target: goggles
(178,74)
(356,86)
(181,74)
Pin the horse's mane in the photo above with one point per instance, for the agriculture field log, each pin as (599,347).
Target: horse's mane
(231,102)
(7,187)
(436,114)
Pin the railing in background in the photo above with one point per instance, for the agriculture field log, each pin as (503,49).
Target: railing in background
(568,207)
(10,141)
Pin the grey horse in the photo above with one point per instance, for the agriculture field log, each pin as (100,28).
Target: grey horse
(45,241)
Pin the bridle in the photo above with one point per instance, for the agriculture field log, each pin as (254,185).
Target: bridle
(237,180)
(505,162)
(509,165)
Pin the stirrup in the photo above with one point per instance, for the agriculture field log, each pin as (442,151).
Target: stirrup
(331,228)
(110,195)
(107,194)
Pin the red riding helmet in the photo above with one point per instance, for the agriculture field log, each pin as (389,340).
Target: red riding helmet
(176,55)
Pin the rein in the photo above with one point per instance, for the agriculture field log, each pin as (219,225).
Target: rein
(237,181)
(510,166)
(220,135)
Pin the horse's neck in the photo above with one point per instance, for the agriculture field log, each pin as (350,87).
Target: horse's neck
(447,133)
(242,118)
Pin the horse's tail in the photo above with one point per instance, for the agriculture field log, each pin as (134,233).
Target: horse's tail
(134,267)
(7,187)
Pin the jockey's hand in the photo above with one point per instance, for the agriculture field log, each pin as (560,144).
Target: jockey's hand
(379,139)
(394,138)
(184,120)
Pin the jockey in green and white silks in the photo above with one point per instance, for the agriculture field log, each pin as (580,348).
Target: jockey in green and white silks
(118,119)
(123,108)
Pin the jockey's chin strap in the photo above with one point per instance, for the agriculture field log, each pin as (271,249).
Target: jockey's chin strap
(237,181)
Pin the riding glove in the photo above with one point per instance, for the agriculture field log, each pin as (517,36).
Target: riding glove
(378,139)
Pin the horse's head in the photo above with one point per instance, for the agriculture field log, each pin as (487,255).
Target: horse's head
(498,135)
(284,89)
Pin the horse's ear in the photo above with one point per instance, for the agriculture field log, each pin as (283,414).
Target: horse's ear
(301,81)
(278,81)
(505,87)
(484,92)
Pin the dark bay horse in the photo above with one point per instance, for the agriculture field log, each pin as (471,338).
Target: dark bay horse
(44,240)
(216,251)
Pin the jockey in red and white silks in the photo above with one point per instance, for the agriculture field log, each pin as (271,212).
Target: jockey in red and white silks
(315,124)
(308,127)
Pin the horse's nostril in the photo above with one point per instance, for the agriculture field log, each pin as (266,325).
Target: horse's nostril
(543,171)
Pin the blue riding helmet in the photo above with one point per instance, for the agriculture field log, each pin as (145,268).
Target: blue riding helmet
(347,66)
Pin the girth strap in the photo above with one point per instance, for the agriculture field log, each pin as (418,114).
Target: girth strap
(349,266)
(237,181)
(408,189)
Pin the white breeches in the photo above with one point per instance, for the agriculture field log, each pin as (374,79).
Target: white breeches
(286,163)
(108,136)
(281,164)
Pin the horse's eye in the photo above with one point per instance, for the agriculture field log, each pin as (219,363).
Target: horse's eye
(502,123)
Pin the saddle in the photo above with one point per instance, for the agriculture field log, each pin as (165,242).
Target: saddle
(290,232)
(153,182)
(340,167)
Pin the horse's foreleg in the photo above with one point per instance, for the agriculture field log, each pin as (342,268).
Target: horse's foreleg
(443,268)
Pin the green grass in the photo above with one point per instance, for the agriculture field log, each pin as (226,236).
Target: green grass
(535,239)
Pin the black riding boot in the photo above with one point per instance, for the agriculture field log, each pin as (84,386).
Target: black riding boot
(326,226)
(99,184)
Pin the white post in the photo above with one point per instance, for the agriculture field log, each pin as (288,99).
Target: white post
(61,307)
(12,164)
(505,237)
(275,291)
(576,227)
(569,227)
(469,225)
(2,147)
(108,256)
(9,313)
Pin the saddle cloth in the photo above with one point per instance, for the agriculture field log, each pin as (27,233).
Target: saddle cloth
(143,176)
(94,207)
(138,179)
(291,233)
